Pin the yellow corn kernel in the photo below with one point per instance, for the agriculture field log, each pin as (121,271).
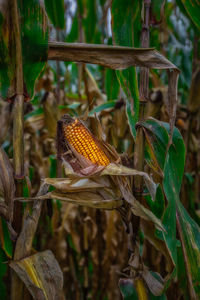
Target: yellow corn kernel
(78,136)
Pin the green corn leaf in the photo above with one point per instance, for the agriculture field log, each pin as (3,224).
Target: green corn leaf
(5,241)
(171,164)
(193,9)
(158,205)
(34,35)
(112,84)
(173,168)
(34,40)
(123,17)
(128,289)
(190,232)
(107,105)
(56,12)
(3,270)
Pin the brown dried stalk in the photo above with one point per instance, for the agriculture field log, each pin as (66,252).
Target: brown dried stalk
(18,120)
(18,116)
(18,129)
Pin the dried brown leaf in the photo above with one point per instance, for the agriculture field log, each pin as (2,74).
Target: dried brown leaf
(73,185)
(149,233)
(119,170)
(41,274)
(7,183)
(141,211)
(51,113)
(34,123)
(5,119)
(87,199)
(194,99)
(114,57)
(155,284)
(92,90)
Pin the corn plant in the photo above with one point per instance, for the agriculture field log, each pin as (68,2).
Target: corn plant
(99,157)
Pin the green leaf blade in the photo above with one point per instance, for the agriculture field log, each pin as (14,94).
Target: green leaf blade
(56,12)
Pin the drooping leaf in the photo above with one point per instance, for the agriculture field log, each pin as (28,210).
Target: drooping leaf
(114,57)
(107,105)
(172,165)
(119,170)
(173,169)
(87,199)
(41,274)
(56,12)
(112,170)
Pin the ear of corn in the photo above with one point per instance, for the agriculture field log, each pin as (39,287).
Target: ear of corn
(78,136)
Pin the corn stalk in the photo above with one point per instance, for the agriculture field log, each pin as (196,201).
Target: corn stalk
(140,138)
(18,132)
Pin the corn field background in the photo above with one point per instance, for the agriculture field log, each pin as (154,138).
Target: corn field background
(99,149)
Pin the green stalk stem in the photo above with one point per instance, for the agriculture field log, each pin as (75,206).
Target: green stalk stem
(144,94)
